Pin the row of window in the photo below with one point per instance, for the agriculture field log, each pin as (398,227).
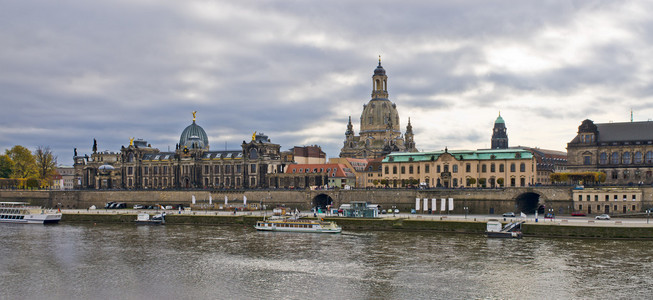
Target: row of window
(216,182)
(607,208)
(615,197)
(483,168)
(625,158)
(307,170)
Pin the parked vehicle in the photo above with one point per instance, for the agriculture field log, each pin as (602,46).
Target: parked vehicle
(138,206)
(107,205)
(509,215)
(602,217)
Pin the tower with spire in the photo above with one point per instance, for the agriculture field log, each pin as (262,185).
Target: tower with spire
(380,128)
(499,135)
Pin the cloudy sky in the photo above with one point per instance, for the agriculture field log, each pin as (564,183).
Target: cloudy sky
(73,70)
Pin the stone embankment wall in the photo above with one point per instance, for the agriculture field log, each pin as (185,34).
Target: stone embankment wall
(478,201)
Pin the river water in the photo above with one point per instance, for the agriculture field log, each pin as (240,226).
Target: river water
(107,261)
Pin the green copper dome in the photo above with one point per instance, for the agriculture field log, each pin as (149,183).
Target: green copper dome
(499,120)
(194,137)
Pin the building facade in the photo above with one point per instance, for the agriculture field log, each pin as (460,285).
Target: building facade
(301,176)
(460,168)
(608,200)
(308,155)
(380,128)
(191,165)
(623,151)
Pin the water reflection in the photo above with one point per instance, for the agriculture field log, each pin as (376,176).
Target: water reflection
(218,262)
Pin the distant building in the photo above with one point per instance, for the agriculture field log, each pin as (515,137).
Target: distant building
(373,173)
(623,151)
(309,155)
(191,165)
(65,179)
(357,165)
(313,176)
(548,162)
(380,129)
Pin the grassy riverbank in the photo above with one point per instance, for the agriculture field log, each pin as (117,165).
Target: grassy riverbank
(471,227)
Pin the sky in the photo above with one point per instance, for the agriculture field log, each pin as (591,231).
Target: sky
(72,71)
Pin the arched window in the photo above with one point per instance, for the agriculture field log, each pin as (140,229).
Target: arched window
(493,168)
(522,168)
(455,169)
(501,168)
(394,169)
(603,158)
(649,157)
(253,154)
(626,158)
(512,167)
(638,157)
(614,158)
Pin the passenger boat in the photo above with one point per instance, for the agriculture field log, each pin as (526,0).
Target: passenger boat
(144,218)
(20,212)
(496,230)
(297,225)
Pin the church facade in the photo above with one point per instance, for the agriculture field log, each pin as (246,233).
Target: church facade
(380,128)
(191,166)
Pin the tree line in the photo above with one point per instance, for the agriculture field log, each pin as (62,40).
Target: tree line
(20,168)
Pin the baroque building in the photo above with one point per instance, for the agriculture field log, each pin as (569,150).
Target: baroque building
(191,165)
(460,168)
(380,129)
(623,151)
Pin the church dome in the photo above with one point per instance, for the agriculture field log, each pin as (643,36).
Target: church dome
(379,70)
(194,137)
(380,115)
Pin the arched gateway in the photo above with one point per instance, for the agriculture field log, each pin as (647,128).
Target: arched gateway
(322,201)
(528,203)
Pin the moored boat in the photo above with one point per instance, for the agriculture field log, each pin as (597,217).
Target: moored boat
(21,213)
(144,218)
(298,225)
(496,230)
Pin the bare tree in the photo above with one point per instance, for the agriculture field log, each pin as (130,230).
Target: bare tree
(46,163)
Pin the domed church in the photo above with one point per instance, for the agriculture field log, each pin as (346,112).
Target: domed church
(380,129)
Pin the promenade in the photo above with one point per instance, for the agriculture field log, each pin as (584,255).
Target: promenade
(530,219)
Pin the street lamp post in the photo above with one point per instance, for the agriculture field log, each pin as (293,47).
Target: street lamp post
(466,209)
(393,210)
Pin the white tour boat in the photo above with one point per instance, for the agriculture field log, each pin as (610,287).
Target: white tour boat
(19,212)
(298,225)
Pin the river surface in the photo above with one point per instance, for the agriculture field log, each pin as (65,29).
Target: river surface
(107,261)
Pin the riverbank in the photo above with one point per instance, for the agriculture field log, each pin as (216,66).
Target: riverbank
(541,229)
